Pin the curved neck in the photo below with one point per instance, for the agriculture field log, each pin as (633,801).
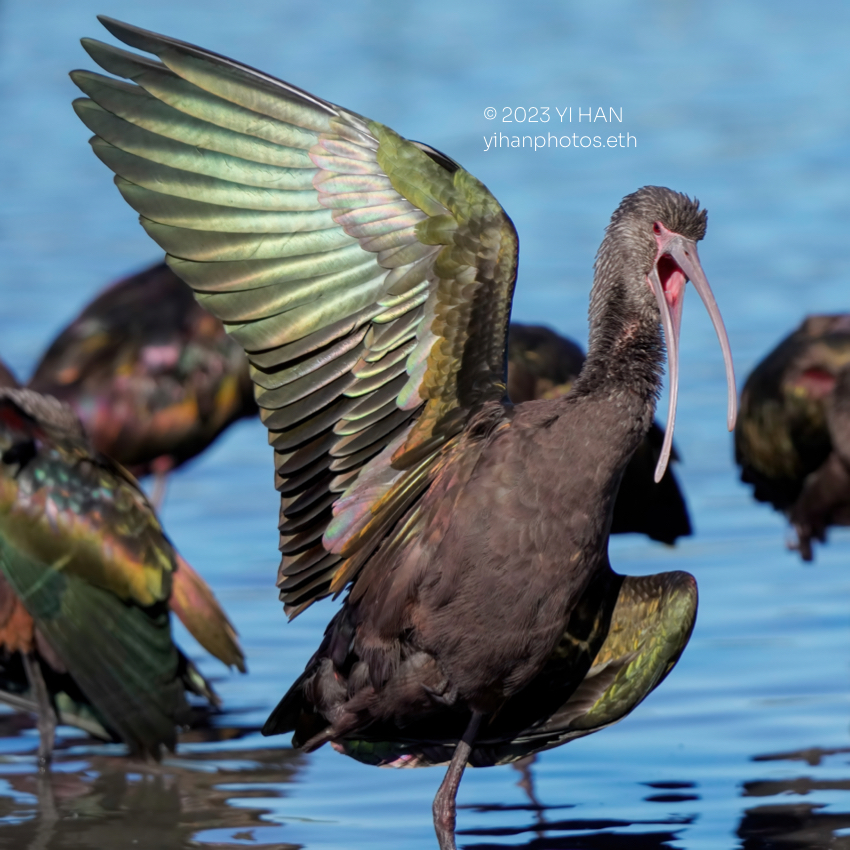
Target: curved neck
(625,355)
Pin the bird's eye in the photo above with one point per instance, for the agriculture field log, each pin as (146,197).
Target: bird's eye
(656,229)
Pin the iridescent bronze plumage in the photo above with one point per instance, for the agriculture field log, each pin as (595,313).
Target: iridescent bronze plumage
(88,578)
(370,281)
(152,375)
(792,440)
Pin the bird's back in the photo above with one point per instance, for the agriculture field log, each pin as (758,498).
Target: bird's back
(782,434)
(148,370)
(88,578)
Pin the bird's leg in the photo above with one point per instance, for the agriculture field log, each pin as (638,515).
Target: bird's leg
(46,714)
(160,469)
(445,811)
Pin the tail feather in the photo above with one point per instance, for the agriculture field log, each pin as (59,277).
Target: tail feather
(193,602)
(294,713)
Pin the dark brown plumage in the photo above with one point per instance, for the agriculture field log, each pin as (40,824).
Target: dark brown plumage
(370,279)
(623,637)
(543,364)
(496,540)
(455,557)
(153,376)
(792,440)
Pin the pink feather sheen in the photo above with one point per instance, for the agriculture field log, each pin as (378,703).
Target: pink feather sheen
(343,150)
(349,178)
(389,224)
(353,510)
(161,356)
(366,225)
(330,182)
(345,165)
(409,397)
(417,363)
(367,215)
(381,242)
(354,200)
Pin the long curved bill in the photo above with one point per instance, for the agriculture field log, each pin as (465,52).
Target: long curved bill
(684,253)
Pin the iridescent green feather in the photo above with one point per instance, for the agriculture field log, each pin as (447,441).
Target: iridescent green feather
(132,677)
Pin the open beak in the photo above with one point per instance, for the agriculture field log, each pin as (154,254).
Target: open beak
(678,262)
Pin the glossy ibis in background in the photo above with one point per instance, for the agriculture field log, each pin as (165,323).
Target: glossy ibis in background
(87,582)
(370,280)
(792,440)
(543,364)
(152,375)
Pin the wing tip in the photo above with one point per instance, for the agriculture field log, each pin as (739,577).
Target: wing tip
(134,36)
(152,42)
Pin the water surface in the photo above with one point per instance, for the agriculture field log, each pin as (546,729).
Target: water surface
(742,104)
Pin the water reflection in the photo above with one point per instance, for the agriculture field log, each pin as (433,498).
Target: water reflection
(213,792)
(672,792)
(790,825)
(551,831)
(582,834)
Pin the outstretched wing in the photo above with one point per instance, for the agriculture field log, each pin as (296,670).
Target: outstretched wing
(368,277)
(650,628)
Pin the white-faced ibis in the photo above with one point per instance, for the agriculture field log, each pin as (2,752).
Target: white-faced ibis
(370,279)
(543,364)
(153,376)
(792,440)
(87,583)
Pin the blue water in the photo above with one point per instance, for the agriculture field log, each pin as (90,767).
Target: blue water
(740,103)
